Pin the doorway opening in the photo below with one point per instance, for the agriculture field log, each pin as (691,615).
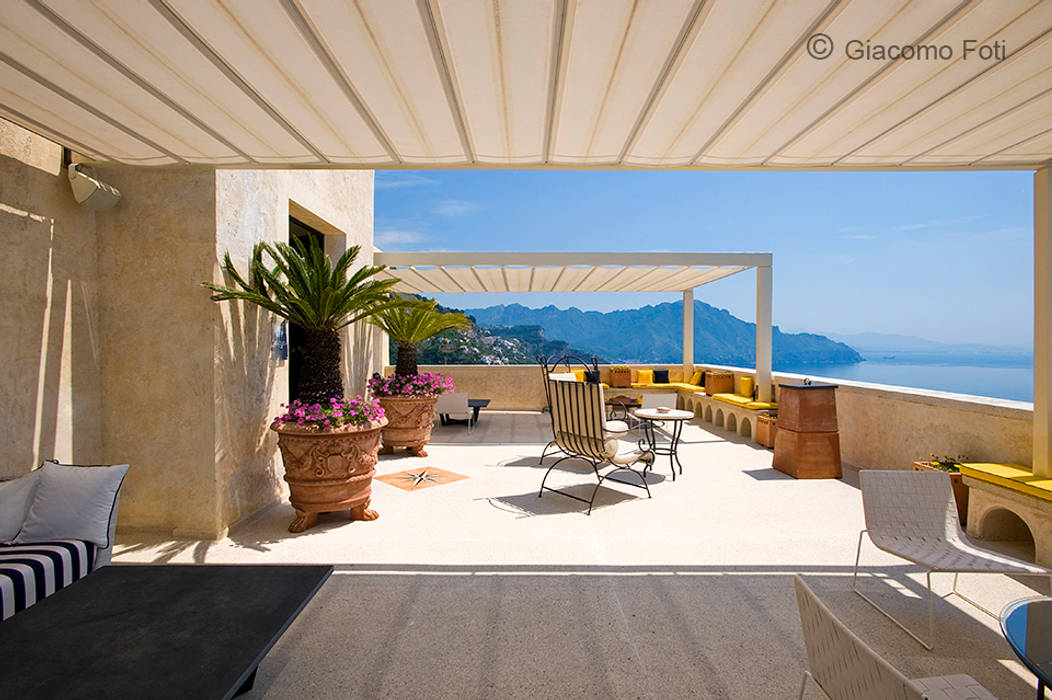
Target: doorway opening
(305,234)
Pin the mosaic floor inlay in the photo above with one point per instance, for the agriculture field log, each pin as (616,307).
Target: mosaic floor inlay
(420,478)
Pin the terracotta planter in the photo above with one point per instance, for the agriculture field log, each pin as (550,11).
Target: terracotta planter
(960,491)
(765,427)
(329,471)
(409,421)
(621,378)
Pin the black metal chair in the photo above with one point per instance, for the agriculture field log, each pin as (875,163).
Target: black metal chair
(567,362)
(580,427)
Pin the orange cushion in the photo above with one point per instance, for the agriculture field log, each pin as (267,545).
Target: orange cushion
(645,376)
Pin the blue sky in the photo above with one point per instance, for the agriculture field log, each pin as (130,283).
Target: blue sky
(947,256)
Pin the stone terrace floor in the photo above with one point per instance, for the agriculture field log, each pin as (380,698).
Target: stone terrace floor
(479,589)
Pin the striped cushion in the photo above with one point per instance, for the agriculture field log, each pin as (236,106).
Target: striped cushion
(31,572)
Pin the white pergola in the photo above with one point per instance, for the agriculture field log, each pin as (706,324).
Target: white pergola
(666,84)
(462,272)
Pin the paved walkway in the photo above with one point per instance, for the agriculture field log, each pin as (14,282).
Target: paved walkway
(478,588)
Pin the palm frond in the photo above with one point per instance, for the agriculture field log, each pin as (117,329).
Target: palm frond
(303,286)
(411,325)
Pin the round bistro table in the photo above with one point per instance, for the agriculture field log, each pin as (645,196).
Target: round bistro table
(1027,625)
(650,416)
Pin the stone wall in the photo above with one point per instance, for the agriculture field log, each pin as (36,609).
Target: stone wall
(154,249)
(49,334)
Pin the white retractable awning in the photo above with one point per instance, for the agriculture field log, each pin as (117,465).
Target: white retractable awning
(453,273)
(709,84)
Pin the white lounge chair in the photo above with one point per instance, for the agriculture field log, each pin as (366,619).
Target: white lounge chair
(845,668)
(659,401)
(580,426)
(913,515)
(453,405)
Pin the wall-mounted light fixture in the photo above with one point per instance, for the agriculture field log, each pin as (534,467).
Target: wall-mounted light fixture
(90,191)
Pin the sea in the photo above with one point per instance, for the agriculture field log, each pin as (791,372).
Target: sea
(997,375)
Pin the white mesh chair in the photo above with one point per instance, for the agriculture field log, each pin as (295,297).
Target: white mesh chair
(453,405)
(658,401)
(845,668)
(913,515)
(580,427)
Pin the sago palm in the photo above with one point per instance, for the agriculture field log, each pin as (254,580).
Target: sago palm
(306,288)
(408,326)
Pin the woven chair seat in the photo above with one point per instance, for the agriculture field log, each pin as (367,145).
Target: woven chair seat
(952,555)
(956,687)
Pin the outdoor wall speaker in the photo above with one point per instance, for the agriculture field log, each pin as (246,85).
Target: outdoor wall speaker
(91,192)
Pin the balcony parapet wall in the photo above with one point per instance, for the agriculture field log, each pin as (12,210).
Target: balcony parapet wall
(881,426)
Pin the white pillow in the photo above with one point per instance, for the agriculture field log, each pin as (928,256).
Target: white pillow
(15,497)
(73,502)
(563,376)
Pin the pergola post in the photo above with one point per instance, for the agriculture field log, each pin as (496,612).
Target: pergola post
(688,333)
(763,332)
(1042,462)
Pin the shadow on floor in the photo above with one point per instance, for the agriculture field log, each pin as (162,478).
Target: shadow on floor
(585,631)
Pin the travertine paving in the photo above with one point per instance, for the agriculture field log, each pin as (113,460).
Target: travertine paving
(478,588)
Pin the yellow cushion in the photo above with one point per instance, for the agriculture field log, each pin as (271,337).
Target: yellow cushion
(732,398)
(671,385)
(579,373)
(645,376)
(745,386)
(745,402)
(761,405)
(695,378)
(1011,476)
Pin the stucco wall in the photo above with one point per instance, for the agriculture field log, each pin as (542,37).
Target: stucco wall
(49,336)
(250,385)
(156,325)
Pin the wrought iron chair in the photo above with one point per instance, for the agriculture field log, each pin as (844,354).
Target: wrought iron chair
(580,426)
(551,369)
(913,515)
(845,668)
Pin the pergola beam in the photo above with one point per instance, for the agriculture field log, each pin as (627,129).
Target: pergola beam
(558,259)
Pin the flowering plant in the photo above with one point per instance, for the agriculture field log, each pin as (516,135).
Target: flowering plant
(946,464)
(426,384)
(332,414)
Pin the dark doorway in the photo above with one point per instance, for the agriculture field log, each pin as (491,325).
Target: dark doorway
(302,232)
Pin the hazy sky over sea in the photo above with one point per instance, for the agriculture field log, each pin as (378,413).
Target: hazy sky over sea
(947,256)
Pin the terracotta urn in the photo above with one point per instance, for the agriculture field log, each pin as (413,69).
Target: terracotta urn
(329,471)
(409,421)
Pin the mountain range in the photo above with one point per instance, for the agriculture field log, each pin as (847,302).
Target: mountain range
(654,334)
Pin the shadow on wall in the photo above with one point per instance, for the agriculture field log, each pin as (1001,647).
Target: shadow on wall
(248,467)
(49,341)
(359,357)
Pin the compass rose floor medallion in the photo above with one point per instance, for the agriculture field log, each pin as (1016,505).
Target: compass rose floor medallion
(420,478)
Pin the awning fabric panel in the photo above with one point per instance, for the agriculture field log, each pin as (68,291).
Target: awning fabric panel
(706,84)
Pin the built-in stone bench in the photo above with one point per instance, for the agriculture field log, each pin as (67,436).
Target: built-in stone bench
(729,416)
(997,492)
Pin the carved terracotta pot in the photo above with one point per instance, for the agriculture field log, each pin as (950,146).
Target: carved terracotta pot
(409,421)
(329,471)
